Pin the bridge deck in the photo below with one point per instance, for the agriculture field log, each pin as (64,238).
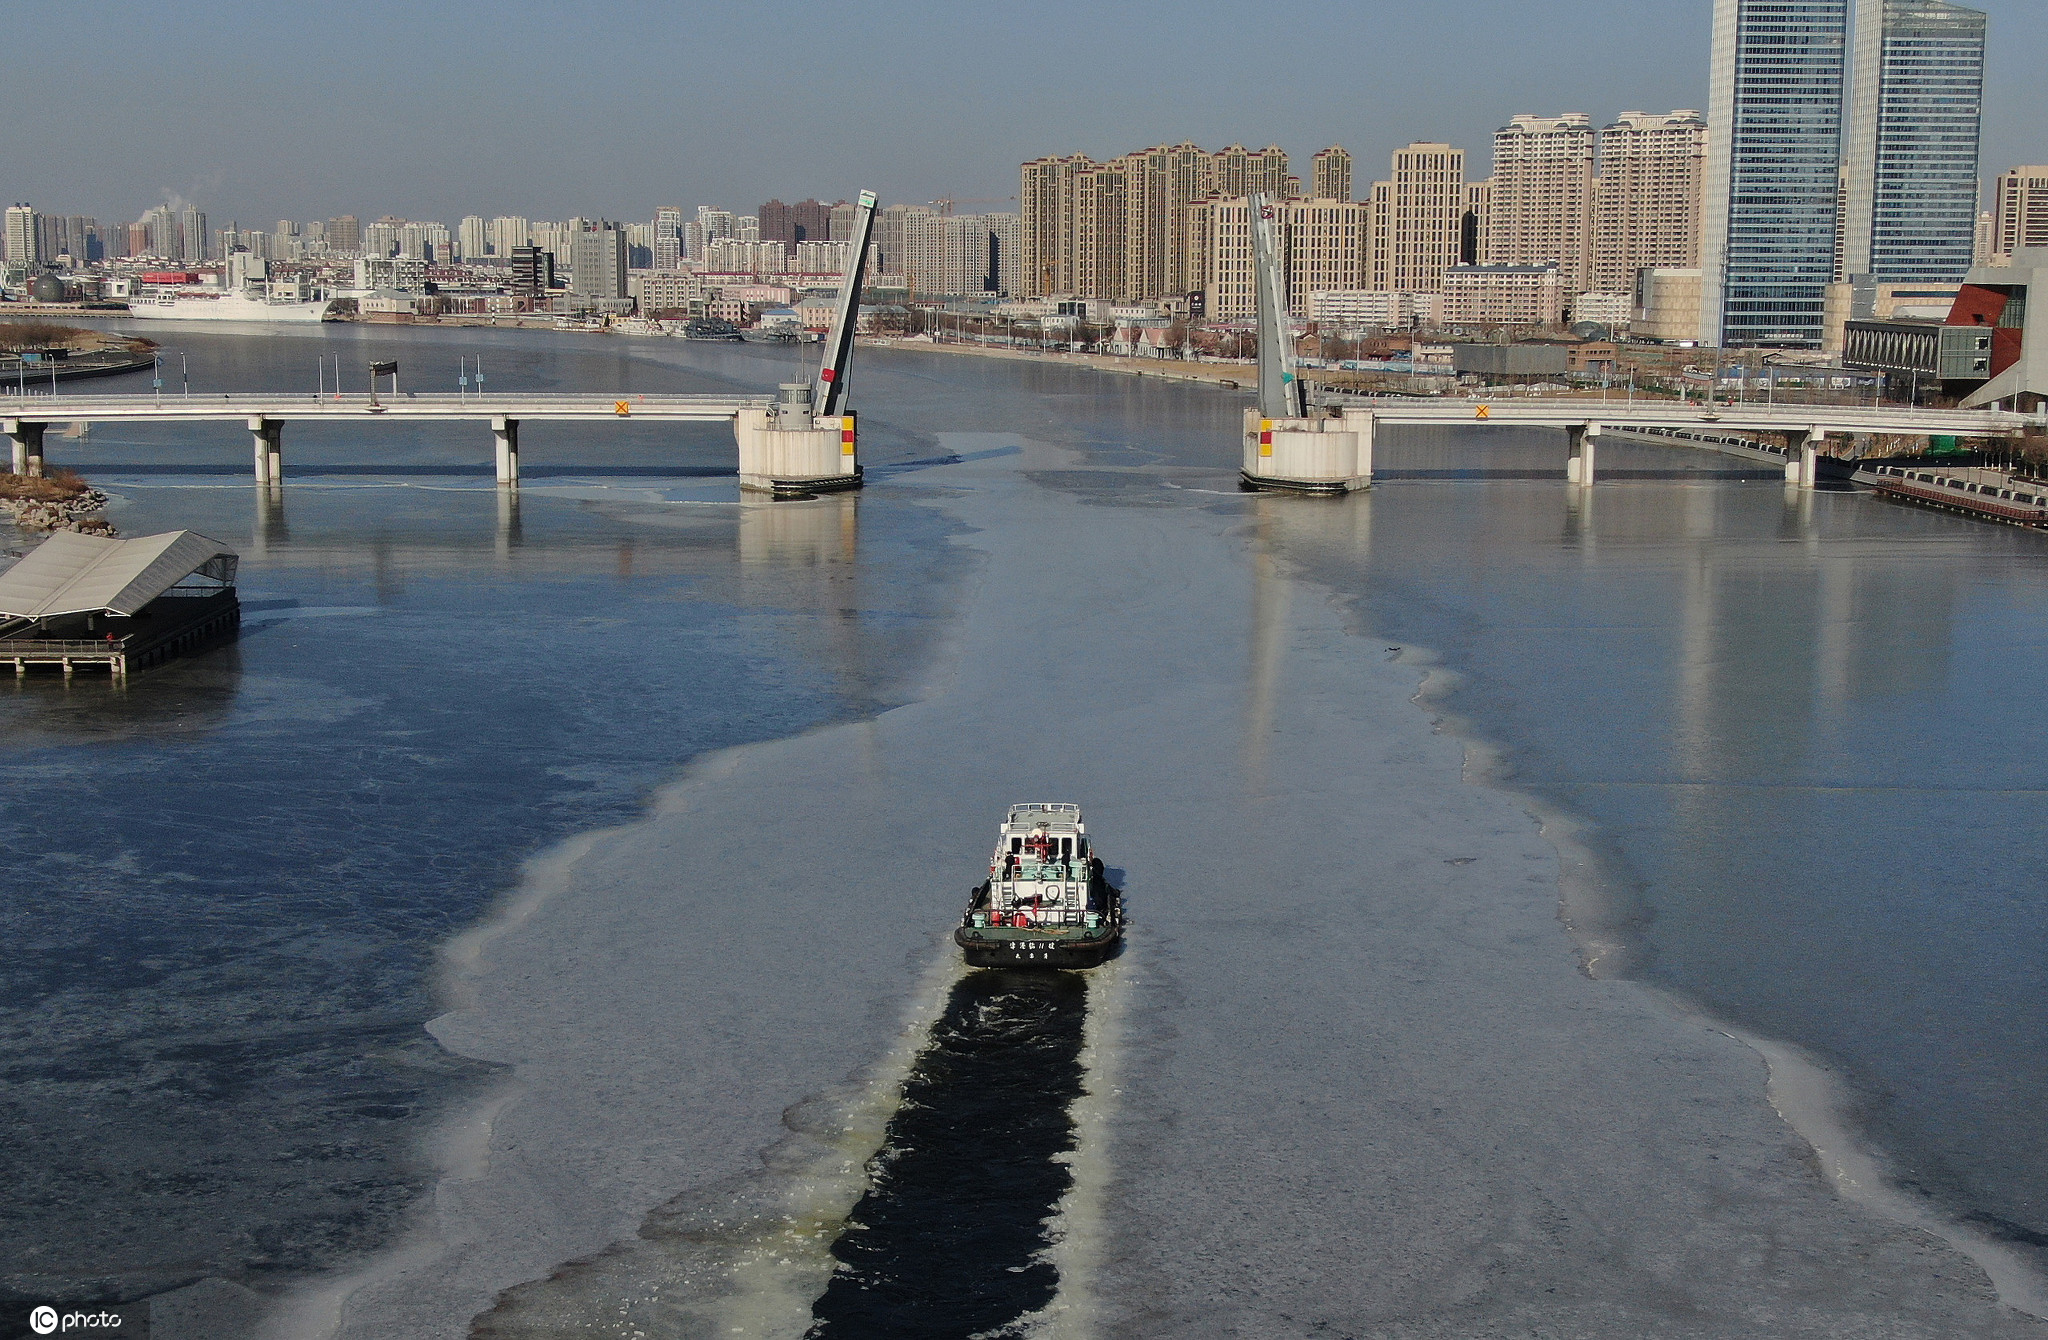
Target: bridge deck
(1517,413)
(62,408)
(1390,411)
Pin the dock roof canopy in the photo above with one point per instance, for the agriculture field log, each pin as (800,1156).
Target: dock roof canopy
(71,573)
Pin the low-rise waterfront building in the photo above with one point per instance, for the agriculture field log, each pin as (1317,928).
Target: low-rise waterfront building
(1667,304)
(1869,300)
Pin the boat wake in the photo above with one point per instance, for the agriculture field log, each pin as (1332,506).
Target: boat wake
(953,1237)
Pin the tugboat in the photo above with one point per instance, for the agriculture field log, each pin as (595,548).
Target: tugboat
(1045,903)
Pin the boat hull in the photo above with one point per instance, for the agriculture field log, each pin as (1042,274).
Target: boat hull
(1048,946)
(1036,953)
(225,307)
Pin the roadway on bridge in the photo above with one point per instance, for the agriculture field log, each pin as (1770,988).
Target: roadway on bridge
(405,405)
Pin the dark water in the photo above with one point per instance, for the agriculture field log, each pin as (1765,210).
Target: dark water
(948,1240)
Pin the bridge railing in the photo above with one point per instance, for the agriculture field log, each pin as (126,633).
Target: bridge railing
(12,647)
(437,398)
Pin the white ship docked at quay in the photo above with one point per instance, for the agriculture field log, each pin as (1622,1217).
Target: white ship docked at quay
(164,303)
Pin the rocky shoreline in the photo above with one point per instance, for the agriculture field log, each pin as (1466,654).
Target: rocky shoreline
(46,509)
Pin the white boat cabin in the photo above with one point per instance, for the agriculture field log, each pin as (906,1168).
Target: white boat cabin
(1040,872)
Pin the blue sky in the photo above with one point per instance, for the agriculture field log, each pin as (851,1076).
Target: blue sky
(435,110)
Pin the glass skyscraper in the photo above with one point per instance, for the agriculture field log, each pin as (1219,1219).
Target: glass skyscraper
(1916,102)
(1773,170)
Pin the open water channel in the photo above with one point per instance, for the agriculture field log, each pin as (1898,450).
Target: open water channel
(539,915)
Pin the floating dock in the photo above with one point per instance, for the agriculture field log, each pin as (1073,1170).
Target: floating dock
(1990,494)
(90,602)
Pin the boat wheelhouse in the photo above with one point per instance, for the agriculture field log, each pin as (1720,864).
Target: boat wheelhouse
(1046,902)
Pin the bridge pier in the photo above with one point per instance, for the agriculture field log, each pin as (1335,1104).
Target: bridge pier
(28,445)
(1303,455)
(1366,425)
(1802,456)
(789,452)
(505,433)
(266,441)
(1582,446)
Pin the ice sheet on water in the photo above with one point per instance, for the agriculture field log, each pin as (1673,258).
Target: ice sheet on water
(1361,1086)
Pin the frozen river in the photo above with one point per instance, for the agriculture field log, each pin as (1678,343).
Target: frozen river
(538,917)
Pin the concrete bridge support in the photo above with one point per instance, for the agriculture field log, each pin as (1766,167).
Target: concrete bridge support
(505,433)
(1802,456)
(1582,446)
(266,441)
(1365,425)
(789,452)
(1303,455)
(28,445)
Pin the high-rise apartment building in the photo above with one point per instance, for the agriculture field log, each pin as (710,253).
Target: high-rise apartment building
(423,240)
(508,231)
(380,239)
(1007,234)
(1542,207)
(2019,216)
(1768,225)
(1242,171)
(1324,243)
(821,258)
(1502,295)
(598,263)
(729,255)
(23,238)
(196,242)
(1472,227)
(1418,219)
(839,221)
(1910,160)
(1121,229)
(1646,203)
(473,237)
(67,235)
(345,234)
(968,261)
(917,247)
(1046,201)
(709,226)
(639,246)
(805,221)
(668,237)
(160,235)
(533,271)
(898,231)
(1331,175)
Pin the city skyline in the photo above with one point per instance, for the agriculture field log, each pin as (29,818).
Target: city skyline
(483,126)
